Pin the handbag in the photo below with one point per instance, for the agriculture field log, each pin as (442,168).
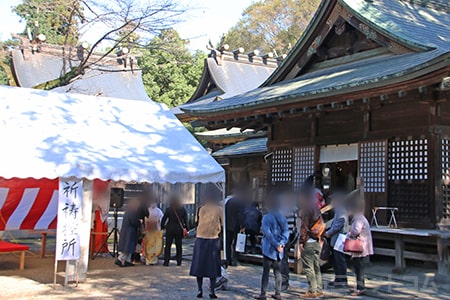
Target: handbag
(325,252)
(353,245)
(185,231)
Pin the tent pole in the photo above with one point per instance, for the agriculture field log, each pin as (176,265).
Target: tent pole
(54,273)
(224,231)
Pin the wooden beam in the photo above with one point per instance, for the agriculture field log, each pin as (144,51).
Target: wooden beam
(367,122)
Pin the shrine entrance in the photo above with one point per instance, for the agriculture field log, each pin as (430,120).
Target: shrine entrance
(339,165)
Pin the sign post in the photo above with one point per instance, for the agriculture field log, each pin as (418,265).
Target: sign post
(69,224)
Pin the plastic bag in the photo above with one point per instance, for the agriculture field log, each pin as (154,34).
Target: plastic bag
(240,242)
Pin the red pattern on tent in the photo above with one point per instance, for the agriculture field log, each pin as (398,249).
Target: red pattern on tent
(32,204)
(28,203)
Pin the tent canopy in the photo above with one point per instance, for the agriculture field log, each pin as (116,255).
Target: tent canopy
(50,135)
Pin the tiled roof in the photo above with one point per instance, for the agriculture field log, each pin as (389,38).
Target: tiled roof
(327,81)
(250,146)
(406,21)
(108,79)
(232,76)
(422,28)
(117,84)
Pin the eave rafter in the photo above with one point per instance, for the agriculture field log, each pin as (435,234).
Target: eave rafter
(425,87)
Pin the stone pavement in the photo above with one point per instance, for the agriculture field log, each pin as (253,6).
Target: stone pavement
(107,281)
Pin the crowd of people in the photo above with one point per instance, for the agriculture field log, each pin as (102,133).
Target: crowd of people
(287,221)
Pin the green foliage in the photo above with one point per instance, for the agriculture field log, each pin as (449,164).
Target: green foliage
(6,77)
(193,130)
(3,77)
(271,25)
(57,19)
(169,71)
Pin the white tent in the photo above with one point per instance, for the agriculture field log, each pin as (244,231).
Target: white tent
(47,134)
(55,135)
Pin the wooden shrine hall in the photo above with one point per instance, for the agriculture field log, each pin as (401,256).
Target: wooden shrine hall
(364,93)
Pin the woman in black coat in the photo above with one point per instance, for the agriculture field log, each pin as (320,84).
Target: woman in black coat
(129,234)
(174,221)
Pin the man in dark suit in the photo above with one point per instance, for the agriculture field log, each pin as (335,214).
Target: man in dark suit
(234,208)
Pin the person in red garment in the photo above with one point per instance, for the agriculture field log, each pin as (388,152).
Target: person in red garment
(100,208)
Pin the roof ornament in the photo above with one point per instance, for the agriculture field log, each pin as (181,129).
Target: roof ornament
(214,53)
(123,57)
(280,58)
(251,54)
(81,49)
(35,37)
(266,56)
(237,51)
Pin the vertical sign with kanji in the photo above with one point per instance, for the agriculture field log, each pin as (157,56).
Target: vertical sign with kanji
(69,219)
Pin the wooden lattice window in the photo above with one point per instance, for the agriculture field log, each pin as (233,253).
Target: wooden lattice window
(408,188)
(445,147)
(408,160)
(303,164)
(372,166)
(412,201)
(282,166)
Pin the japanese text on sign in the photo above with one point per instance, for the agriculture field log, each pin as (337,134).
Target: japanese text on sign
(69,219)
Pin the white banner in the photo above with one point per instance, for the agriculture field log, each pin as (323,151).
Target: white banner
(69,219)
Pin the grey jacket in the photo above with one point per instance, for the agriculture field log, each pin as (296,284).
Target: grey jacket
(339,225)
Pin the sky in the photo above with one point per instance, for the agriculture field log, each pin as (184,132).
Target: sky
(206,19)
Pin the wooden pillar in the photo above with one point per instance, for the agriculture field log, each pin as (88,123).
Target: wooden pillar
(443,274)
(400,264)
(298,265)
(22,261)
(43,244)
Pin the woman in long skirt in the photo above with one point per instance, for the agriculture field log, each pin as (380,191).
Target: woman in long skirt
(206,257)
(153,240)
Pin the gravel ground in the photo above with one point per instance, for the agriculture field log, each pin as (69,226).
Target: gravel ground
(107,281)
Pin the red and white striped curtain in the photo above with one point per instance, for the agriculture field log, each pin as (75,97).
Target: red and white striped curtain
(28,203)
(32,204)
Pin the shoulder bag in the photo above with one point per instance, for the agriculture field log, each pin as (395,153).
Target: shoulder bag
(185,231)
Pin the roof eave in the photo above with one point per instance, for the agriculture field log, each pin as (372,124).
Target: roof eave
(420,70)
(257,153)
(203,83)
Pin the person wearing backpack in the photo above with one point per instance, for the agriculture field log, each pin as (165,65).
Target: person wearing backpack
(311,229)
(339,226)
